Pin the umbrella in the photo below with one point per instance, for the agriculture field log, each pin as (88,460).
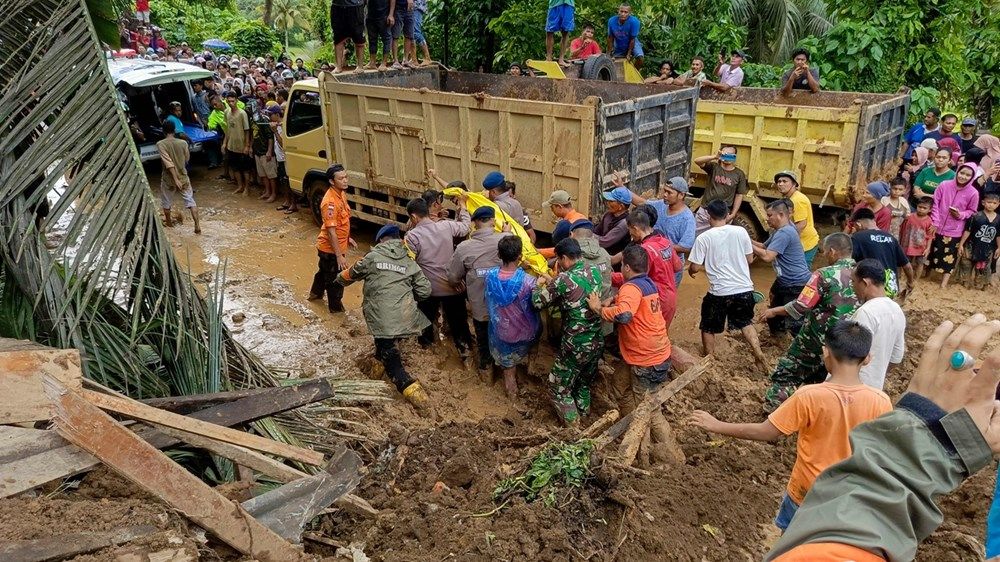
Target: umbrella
(216,44)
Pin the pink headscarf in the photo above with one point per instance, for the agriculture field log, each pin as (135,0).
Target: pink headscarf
(991,145)
(920,155)
(951,144)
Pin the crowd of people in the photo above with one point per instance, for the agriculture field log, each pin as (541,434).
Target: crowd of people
(610,290)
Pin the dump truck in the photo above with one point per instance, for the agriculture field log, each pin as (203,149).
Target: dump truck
(835,141)
(388,128)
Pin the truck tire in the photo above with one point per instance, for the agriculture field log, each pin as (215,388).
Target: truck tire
(314,192)
(748,221)
(598,67)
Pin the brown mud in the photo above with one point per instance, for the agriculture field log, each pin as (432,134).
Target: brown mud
(433,478)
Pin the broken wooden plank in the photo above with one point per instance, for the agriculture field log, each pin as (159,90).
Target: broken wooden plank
(609,417)
(137,410)
(67,460)
(288,509)
(67,545)
(240,455)
(304,393)
(86,426)
(652,401)
(22,363)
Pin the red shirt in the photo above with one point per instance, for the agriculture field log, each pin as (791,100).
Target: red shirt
(915,235)
(142,5)
(883,216)
(591,49)
(663,265)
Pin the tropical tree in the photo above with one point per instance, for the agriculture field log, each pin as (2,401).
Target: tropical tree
(286,15)
(774,27)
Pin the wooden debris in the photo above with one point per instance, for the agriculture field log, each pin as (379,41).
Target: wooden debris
(137,410)
(637,431)
(288,509)
(88,427)
(609,417)
(68,545)
(318,538)
(182,554)
(283,398)
(651,402)
(21,364)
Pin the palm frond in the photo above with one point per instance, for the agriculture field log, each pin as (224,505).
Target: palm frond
(111,286)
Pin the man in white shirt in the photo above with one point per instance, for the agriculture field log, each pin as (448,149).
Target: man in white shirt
(730,75)
(882,316)
(724,252)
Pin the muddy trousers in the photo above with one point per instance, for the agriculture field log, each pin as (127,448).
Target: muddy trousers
(388,354)
(801,364)
(484,359)
(573,371)
(780,296)
(325,280)
(455,314)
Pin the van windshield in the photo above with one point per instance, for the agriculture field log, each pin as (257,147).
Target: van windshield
(305,113)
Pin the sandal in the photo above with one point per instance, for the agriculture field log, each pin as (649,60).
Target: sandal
(282,208)
(291,211)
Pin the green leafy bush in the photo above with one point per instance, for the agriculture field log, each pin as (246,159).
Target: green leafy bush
(564,465)
(762,75)
(253,39)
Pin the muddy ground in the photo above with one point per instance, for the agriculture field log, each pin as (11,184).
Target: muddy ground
(433,478)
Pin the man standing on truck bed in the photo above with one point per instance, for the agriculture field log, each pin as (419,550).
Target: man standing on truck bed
(787,184)
(726,183)
(333,240)
(347,18)
(560,19)
(623,36)
(801,76)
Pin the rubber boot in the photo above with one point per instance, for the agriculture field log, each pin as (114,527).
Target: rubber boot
(416,395)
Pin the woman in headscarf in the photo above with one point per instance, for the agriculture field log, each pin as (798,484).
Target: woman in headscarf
(951,144)
(955,201)
(991,145)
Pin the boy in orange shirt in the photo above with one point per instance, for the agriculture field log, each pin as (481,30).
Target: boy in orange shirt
(645,345)
(823,414)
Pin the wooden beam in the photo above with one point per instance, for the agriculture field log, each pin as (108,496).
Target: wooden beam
(651,402)
(83,424)
(67,460)
(22,363)
(240,455)
(137,410)
(261,401)
(68,545)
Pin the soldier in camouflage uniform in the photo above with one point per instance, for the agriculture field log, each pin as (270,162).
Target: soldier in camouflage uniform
(825,299)
(581,343)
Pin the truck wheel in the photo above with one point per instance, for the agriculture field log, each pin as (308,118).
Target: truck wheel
(598,67)
(749,222)
(314,194)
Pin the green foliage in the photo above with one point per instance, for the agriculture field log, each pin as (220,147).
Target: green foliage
(317,13)
(702,28)
(762,75)
(775,26)
(520,31)
(253,38)
(922,99)
(558,465)
(193,21)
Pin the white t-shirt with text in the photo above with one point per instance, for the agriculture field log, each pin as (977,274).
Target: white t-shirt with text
(723,251)
(887,323)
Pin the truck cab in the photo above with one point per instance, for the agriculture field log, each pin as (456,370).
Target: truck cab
(305,143)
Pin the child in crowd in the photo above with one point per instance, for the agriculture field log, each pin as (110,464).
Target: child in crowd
(897,204)
(916,235)
(514,322)
(823,414)
(981,233)
(875,193)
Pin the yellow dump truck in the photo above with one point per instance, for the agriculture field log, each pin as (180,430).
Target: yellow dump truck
(388,128)
(835,141)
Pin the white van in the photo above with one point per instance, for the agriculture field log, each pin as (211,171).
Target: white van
(147,87)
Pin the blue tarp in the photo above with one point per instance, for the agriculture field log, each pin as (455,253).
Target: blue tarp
(197,134)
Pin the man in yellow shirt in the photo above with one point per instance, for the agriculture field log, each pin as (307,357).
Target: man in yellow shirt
(787,183)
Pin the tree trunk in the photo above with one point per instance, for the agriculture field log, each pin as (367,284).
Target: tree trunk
(267,12)
(286,39)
